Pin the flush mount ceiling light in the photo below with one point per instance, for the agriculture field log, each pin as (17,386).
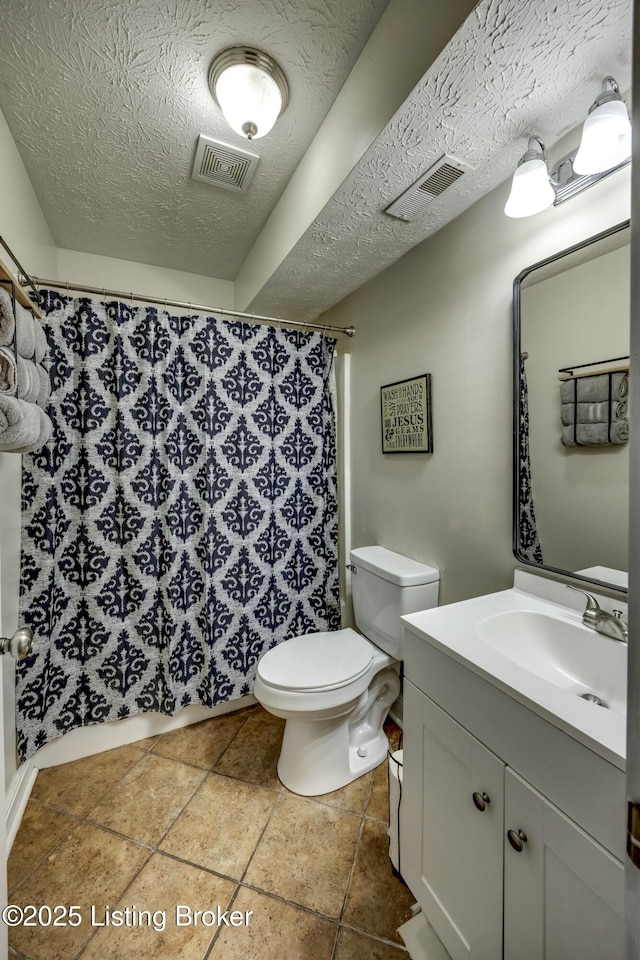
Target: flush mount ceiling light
(606,134)
(250,89)
(531,190)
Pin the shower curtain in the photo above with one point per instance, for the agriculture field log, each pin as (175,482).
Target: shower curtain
(183,517)
(530,548)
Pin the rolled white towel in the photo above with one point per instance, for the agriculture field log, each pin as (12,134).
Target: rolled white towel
(45,385)
(20,424)
(25,332)
(41,345)
(7,318)
(8,371)
(28,380)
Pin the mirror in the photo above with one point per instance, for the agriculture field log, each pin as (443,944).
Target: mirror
(571,417)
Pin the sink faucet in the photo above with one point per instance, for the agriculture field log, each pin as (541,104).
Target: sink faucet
(594,617)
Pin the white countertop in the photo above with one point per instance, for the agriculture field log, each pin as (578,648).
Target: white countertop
(453,629)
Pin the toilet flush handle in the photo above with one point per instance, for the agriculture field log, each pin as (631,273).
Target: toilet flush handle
(352,567)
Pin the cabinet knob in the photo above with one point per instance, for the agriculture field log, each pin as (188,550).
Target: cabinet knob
(517,839)
(481,801)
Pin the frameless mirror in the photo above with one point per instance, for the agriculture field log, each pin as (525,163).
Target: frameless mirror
(571,457)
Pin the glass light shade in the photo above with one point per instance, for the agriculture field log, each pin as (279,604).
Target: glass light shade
(531,191)
(606,139)
(249,99)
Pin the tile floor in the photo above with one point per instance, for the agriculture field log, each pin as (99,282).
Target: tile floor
(198,817)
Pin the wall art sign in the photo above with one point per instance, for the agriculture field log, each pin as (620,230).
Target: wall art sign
(406,416)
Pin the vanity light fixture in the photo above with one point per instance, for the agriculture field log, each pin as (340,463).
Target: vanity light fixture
(606,134)
(250,89)
(531,190)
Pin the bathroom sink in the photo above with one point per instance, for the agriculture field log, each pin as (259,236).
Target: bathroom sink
(530,643)
(565,653)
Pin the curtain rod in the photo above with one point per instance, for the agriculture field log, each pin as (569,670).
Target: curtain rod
(182,305)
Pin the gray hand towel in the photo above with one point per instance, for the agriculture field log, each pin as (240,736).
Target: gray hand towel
(45,385)
(20,424)
(8,371)
(7,319)
(41,345)
(595,434)
(596,388)
(25,332)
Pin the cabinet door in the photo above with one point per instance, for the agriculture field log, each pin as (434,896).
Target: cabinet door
(564,893)
(450,851)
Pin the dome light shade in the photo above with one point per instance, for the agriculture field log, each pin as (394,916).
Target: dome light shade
(606,134)
(250,89)
(531,190)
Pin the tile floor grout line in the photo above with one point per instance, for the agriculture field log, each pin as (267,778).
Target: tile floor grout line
(181,811)
(95,933)
(197,866)
(47,854)
(352,870)
(290,903)
(262,833)
(229,745)
(119,835)
(209,949)
(113,786)
(373,936)
(18,953)
(229,776)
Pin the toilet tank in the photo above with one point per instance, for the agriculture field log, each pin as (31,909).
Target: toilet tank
(385,586)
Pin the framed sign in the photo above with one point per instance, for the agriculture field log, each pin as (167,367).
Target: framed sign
(406,416)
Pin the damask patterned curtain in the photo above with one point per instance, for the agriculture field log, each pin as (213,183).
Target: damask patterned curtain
(181,520)
(529,543)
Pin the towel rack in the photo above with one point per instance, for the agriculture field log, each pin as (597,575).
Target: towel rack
(20,293)
(614,365)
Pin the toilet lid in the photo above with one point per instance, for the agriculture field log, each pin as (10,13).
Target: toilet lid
(317,661)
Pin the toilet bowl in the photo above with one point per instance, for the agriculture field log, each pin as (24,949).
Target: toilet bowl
(335,689)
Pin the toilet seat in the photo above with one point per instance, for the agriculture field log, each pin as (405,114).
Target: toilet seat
(317,661)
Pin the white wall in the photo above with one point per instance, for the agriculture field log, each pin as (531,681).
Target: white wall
(445,309)
(23,226)
(581,494)
(142,278)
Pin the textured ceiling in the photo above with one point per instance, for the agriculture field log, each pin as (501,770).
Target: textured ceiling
(106,99)
(513,69)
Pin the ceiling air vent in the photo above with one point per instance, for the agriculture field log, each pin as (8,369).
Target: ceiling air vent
(223,165)
(427,188)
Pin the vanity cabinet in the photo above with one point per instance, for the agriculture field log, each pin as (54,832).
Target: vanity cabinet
(499,870)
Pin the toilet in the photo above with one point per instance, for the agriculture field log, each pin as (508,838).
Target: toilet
(335,689)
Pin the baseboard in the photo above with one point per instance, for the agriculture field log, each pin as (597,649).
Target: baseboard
(99,737)
(18,797)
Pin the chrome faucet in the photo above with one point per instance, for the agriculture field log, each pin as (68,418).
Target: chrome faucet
(594,617)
